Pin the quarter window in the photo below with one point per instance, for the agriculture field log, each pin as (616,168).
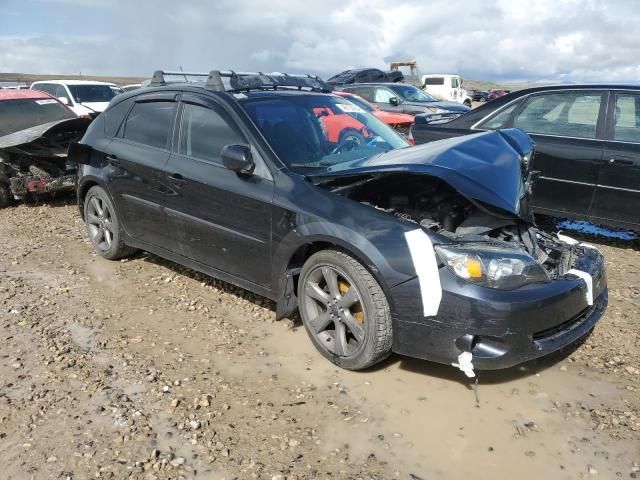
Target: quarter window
(205,132)
(499,120)
(627,118)
(149,122)
(570,114)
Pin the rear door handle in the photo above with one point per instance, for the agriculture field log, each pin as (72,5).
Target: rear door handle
(621,161)
(112,159)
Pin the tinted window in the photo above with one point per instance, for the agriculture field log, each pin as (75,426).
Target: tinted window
(205,132)
(16,115)
(149,123)
(114,116)
(627,118)
(499,120)
(93,93)
(572,114)
(45,87)
(434,81)
(364,92)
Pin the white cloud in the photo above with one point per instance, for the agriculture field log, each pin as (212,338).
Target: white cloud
(574,40)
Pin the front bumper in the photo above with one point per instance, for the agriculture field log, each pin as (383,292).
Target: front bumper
(500,328)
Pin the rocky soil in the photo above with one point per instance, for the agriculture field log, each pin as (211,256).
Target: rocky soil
(142,369)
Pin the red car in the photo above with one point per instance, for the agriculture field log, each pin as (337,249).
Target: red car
(493,94)
(398,121)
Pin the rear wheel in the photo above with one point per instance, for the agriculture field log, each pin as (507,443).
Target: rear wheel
(344,310)
(103,226)
(5,194)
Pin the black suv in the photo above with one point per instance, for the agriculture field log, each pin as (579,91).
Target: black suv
(428,251)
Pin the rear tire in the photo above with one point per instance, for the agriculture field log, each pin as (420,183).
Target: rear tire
(344,310)
(103,226)
(5,195)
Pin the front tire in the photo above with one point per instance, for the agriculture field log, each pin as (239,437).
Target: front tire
(103,226)
(344,310)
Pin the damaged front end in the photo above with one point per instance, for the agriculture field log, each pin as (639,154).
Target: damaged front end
(34,161)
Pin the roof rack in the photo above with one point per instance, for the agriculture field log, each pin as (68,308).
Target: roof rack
(245,81)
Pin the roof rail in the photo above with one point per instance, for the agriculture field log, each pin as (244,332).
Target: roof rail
(245,81)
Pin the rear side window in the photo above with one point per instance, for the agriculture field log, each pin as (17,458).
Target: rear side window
(205,132)
(627,118)
(114,116)
(149,122)
(571,114)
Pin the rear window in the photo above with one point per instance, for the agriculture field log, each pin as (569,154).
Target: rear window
(16,115)
(149,122)
(434,81)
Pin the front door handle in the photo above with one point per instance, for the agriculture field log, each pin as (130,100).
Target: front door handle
(621,161)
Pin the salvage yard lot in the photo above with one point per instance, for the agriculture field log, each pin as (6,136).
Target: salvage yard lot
(145,369)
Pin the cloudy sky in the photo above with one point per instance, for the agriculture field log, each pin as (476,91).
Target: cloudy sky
(559,40)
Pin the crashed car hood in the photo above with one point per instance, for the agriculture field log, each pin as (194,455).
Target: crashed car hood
(36,140)
(485,166)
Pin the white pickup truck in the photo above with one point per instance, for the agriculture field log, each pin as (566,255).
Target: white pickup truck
(446,87)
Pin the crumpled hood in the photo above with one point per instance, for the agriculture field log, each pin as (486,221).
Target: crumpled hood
(485,166)
(46,139)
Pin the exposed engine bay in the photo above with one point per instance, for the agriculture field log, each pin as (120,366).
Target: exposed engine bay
(34,161)
(435,205)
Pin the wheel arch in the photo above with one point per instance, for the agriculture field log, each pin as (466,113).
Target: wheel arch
(83,188)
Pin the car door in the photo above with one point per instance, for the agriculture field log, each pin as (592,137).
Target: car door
(382,97)
(617,197)
(216,216)
(567,127)
(137,156)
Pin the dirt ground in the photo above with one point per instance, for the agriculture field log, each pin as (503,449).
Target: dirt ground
(142,369)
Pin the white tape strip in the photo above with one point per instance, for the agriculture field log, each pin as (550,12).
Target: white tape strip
(588,280)
(426,266)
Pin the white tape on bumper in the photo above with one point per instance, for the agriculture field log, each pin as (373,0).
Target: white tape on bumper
(426,266)
(588,280)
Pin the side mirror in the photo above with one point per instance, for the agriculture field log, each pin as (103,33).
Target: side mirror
(238,158)
(395,101)
(64,100)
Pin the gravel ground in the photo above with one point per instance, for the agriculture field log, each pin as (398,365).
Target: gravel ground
(143,369)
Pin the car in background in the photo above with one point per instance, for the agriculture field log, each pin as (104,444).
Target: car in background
(480,96)
(587,152)
(400,122)
(493,94)
(132,86)
(403,98)
(365,75)
(35,132)
(427,251)
(446,87)
(85,98)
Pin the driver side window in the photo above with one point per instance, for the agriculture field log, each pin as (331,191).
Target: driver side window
(204,133)
(383,95)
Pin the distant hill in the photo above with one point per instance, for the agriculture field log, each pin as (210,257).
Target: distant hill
(29,78)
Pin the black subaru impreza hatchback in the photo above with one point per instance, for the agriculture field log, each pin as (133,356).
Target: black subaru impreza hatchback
(273,184)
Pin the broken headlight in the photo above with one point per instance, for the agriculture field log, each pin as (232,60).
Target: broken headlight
(493,267)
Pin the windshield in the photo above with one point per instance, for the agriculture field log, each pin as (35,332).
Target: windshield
(318,131)
(363,104)
(412,94)
(94,93)
(16,115)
